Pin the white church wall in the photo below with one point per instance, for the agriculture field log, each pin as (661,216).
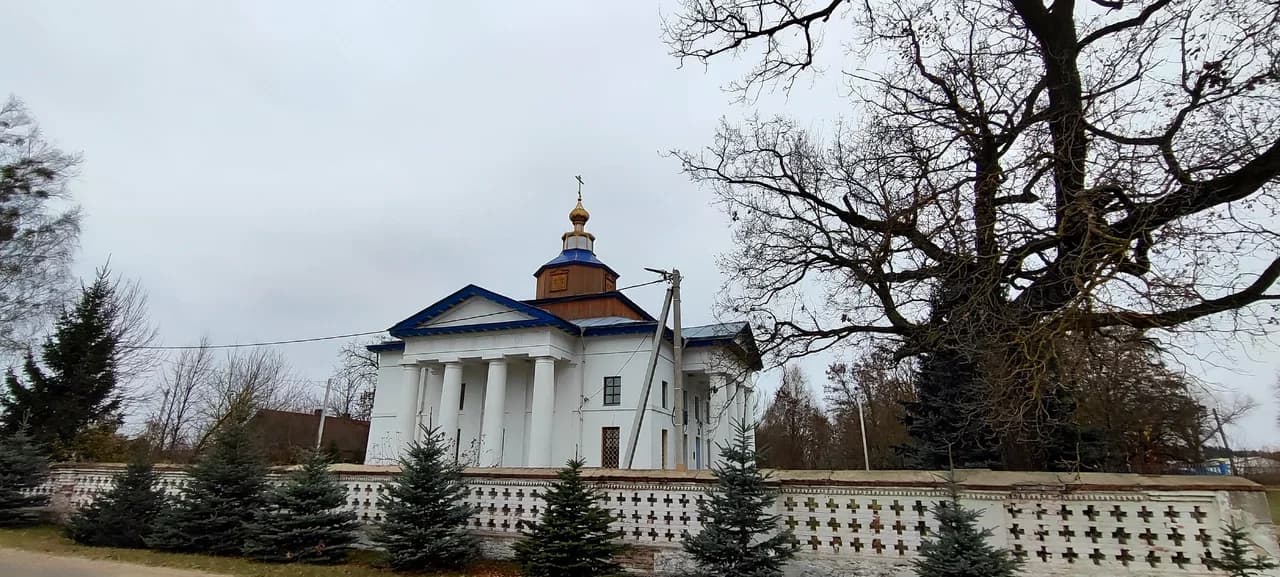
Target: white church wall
(534,342)
(384,428)
(564,427)
(516,422)
(624,356)
(477,310)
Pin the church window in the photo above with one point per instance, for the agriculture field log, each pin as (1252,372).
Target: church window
(697,452)
(697,412)
(559,281)
(684,396)
(609,440)
(609,284)
(462,398)
(612,390)
(664,394)
(664,448)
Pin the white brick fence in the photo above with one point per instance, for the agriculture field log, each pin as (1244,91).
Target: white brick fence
(860,523)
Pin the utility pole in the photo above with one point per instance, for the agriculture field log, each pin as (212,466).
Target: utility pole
(862,422)
(677,360)
(643,404)
(324,407)
(1231,457)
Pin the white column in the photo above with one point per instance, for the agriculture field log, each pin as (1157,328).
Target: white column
(407,411)
(450,396)
(429,402)
(720,414)
(544,402)
(495,398)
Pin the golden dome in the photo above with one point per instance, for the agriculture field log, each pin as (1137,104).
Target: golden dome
(579,215)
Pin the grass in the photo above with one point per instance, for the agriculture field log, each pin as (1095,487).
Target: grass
(1273,499)
(48,539)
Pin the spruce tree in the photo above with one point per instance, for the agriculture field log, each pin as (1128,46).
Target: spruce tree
(945,422)
(22,468)
(76,388)
(1235,560)
(424,520)
(224,489)
(960,548)
(125,514)
(738,536)
(572,538)
(302,521)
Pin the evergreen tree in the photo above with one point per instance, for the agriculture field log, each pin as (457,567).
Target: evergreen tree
(960,548)
(424,521)
(572,538)
(738,536)
(302,521)
(1235,560)
(224,489)
(22,468)
(946,425)
(124,515)
(78,389)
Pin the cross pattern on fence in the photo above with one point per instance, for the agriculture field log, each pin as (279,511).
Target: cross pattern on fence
(1157,532)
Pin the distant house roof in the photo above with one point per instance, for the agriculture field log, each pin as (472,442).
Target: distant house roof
(575,256)
(284,434)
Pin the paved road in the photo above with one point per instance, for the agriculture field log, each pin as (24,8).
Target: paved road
(14,563)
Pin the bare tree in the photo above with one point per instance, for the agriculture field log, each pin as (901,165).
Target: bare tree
(173,423)
(132,328)
(1016,174)
(881,386)
(38,230)
(794,433)
(247,381)
(353,381)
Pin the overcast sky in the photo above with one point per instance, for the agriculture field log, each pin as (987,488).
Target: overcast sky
(276,170)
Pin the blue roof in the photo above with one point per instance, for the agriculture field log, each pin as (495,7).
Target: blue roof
(716,331)
(575,256)
(411,327)
(607,321)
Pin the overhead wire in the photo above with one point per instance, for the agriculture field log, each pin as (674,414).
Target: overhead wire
(326,338)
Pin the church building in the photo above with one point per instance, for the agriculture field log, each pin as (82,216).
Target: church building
(536,382)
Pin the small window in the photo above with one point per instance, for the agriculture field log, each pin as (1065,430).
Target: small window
(457,446)
(684,396)
(697,412)
(462,398)
(609,441)
(664,448)
(612,390)
(559,281)
(664,394)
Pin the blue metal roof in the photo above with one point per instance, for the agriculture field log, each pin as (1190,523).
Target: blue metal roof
(715,331)
(575,256)
(606,321)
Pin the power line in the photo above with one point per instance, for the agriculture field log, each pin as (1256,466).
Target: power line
(328,338)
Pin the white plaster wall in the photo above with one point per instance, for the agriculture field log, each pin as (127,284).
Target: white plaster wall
(384,423)
(580,414)
(533,342)
(476,310)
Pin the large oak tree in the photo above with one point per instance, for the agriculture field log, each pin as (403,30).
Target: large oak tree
(1012,174)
